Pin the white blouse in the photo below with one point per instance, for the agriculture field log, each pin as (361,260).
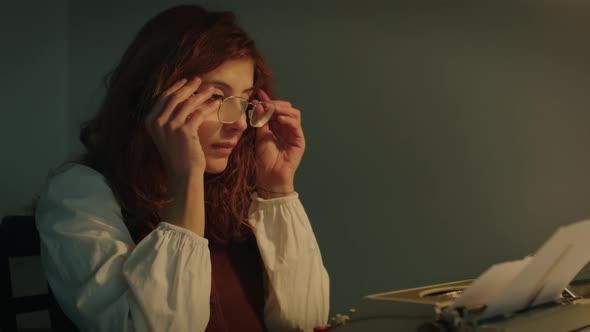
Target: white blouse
(104,282)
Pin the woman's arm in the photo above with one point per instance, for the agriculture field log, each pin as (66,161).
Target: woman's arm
(298,289)
(102,281)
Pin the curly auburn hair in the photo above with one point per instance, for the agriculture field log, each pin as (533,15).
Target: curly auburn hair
(181,42)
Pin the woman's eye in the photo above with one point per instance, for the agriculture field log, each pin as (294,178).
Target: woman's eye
(216,97)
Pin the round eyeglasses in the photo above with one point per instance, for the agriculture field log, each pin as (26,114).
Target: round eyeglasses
(231,109)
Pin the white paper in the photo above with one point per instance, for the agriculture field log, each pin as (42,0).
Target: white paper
(512,286)
(487,285)
(554,266)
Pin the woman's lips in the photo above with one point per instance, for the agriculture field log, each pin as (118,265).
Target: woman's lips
(224,149)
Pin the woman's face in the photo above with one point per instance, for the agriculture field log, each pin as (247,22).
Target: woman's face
(232,78)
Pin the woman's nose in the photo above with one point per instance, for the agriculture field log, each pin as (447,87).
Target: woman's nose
(240,125)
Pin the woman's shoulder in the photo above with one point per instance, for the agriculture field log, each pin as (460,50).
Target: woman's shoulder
(77,203)
(75,180)
(75,170)
(76,193)
(72,173)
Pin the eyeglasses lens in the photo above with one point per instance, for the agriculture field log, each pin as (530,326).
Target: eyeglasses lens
(261,113)
(231,109)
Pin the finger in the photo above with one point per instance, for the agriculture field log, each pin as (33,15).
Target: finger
(191,104)
(161,101)
(153,113)
(173,88)
(290,122)
(187,90)
(288,111)
(284,125)
(196,118)
(277,120)
(177,97)
(265,97)
(288,130)
(263,131)
(277,103)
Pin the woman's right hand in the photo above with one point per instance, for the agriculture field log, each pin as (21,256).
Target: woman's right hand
(173,124)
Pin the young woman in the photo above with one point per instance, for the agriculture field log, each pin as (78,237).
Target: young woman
(182,215)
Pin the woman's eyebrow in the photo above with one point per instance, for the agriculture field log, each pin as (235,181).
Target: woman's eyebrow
(228,87)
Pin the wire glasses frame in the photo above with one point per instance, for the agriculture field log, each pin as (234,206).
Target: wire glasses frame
(231,109)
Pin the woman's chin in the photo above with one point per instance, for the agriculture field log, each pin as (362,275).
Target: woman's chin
(216,166)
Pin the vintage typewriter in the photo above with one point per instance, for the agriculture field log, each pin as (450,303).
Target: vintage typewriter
(543,292)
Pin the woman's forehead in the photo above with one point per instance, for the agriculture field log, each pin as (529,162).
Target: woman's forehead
(235,72)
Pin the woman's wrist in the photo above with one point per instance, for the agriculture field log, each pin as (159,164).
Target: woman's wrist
(186,181)
(275,193)
(186,206)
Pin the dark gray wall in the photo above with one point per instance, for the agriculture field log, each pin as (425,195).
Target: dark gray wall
(33,88)
(34,73)
(441,139)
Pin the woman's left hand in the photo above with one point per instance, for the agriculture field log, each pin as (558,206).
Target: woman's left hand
(279,147)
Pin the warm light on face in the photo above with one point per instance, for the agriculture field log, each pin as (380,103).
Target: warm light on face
(219,133)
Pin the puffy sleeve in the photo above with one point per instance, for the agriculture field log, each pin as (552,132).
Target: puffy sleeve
(298,286)
(101,279)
